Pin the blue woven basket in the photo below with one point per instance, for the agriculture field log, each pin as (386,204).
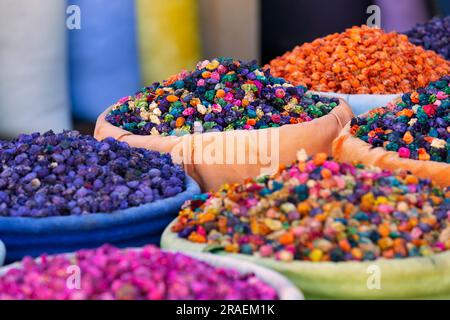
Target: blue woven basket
(132,227)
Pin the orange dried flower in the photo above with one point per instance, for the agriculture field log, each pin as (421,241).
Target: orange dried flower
(408,137)
(361,60)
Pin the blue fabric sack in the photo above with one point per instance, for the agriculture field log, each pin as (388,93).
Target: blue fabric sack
(103,56)
(132,227)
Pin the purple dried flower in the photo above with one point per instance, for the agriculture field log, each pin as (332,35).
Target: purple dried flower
(433,35)
(70,174)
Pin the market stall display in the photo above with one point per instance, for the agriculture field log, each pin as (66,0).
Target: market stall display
(225,100)
(323,174)
(410,133)
(365,64)
(148,273)
(323,224)
(66,191)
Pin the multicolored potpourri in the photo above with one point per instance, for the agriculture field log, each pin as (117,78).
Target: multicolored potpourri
(320,210)
(417,127)
(219,95)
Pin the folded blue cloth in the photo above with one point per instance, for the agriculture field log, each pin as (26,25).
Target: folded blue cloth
(103,56)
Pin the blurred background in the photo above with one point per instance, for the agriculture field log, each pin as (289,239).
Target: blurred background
(63,62)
